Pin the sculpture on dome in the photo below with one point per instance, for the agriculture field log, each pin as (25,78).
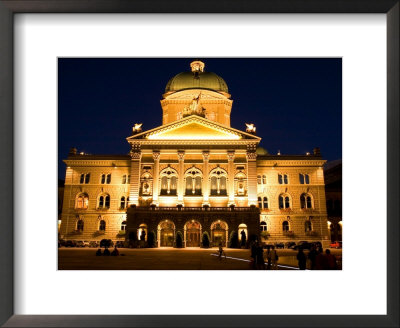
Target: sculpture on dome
(194,108)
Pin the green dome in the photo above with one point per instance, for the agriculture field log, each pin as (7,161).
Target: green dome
(196,79)
(261,151)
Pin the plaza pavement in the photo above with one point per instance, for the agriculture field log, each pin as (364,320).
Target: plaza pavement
(167,259)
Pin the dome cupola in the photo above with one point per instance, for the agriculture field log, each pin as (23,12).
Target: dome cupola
(197,78)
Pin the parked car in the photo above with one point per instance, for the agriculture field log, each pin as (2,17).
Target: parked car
(94,244)
(120,244)
(79,243)
(317,244)
(86,243)
(280,245)
(290,244)
(70,243)
(303,245)
(61,242)
(336,244)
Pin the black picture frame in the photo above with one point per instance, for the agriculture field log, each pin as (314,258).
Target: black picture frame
(10,7)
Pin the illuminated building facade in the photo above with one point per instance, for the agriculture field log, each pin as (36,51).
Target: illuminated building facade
(195,174)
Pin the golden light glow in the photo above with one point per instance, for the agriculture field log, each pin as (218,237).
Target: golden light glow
(194,131)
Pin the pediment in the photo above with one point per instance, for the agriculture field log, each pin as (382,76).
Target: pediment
(194,128)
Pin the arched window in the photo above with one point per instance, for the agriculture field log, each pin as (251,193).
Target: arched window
(259,202)
(82,201)
(123,202)
(263,226)
(307,226)
(193,178)
(102,225)
(218,182)
(285,226)
(305,201)
(265,202)
(284,201)
(169,178)
(104,201)
(79,225)
(123,226)
(264,179)
(258,179)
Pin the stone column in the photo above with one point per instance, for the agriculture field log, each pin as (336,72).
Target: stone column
(231,177)
(181,172)
(251,156)
(136,155)
(156,173)
(205,187)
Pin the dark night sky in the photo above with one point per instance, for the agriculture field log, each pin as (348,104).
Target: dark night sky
(296,104)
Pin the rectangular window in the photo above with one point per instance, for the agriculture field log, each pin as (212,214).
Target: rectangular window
(103,179)
(109,178)
(124,179)
(301,178)
(264,179)
(82,178)
(280,179)
(129,179)
(87,178)
(307,179)
(285,179)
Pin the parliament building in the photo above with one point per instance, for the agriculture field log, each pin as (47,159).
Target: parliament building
(195,174)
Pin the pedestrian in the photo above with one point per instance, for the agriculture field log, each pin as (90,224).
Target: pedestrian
(302,259)
(253,250)
(312,256)
(106,252)
(221,252)
(98,253)
(115,252)
(268,257)
(260,257)
(320,260)
(274,258)
(331,263)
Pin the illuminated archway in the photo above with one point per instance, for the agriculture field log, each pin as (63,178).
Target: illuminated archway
(166,233)
(242,233)
(192,234)
(142,232)
(219,233)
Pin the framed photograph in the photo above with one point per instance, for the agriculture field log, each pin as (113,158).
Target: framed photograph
(197,150)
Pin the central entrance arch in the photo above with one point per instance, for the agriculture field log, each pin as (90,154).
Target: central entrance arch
(192,234)
(219,233)
(166,233)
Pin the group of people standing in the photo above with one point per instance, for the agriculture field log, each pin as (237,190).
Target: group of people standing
(258,260)
(106,252)
(318,260)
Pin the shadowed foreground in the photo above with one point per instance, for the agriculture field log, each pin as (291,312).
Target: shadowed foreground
(157,259)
